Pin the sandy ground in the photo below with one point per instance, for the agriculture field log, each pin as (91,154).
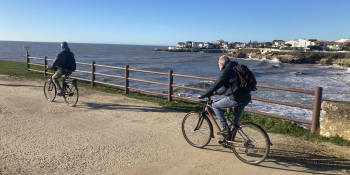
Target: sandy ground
(113,134)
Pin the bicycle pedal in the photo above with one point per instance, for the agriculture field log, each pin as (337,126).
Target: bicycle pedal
(220,142)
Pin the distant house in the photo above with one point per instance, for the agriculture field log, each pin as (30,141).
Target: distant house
(343,41)
(200,44)
(333,45)
(318,43)
(294,43)
(225,45)
(304,43)
(208,45)
(181,44)
(277,43)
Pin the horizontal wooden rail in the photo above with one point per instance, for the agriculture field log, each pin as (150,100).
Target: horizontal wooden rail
(101,82)
(186,87)
(84,79)
(36,70)
(36,58)
(146,71)
(282,103)
(89,64)
(286,89)
(83,71)
(49,59)
(115,76)
(195,77)
(113,67)
(278,116)
(151,92)
(36,64)
(185,98)
(146,81)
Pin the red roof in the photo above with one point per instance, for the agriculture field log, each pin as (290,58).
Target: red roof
(332,42)
(200,43)
(180,43)
(319,41)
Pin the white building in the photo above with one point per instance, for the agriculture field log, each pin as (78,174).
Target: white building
(304,43)
(195,45)
(343,41)
(181,44)
(294,43)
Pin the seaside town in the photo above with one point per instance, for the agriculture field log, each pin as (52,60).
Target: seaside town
(301,44)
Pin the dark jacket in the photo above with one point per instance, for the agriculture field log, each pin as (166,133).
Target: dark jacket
(61,59)
(227,78)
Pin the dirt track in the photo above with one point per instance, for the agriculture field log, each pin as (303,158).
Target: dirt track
(113,134)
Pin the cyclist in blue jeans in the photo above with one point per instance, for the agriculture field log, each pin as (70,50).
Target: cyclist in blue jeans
(239,99)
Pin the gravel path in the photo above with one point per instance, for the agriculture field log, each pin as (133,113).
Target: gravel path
(113,134)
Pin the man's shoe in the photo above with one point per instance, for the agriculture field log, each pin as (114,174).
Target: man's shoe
(59,93)
(225,131)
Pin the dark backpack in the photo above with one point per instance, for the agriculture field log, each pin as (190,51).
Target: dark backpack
(245,79)
(70,65)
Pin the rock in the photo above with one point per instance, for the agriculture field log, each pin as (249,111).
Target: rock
(341,62)
(335,119)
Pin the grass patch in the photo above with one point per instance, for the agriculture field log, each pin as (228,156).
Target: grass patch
(271,125)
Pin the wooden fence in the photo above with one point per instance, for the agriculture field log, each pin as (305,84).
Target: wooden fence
(317,93)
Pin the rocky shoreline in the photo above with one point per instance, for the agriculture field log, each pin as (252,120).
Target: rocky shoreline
(337,59)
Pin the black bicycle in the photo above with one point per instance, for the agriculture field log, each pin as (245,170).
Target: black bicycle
(70,91)
(248,141)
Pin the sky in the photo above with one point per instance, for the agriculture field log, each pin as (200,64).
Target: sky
(155,22)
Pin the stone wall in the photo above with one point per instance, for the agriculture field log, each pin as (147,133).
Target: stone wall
(335,119)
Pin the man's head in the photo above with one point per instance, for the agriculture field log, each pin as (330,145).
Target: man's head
(64,45)
(223,60)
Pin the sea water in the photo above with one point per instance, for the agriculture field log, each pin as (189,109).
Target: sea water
(334,80)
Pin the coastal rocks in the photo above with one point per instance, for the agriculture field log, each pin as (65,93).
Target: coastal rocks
(341,62)
(335,119)
(325,61)
(236,53)
(289,59)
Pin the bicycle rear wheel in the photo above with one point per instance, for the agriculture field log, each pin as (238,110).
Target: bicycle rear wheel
(250,143)
(71,94)
(196,129)
(50,90)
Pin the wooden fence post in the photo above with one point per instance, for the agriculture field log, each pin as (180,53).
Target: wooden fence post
(28,61)
(92,73)
(228,110)
(126,79)
(316,110)
(170,87)
(45,63)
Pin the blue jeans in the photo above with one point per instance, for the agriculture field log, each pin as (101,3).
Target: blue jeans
(228,103)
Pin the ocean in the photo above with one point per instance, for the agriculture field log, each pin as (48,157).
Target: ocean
(334,80)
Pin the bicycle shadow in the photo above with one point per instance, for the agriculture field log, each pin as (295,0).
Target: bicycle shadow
(19,85)
(114,106)
(316,163)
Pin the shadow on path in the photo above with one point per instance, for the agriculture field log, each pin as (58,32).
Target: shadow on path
(128,107)
(18,85)
(316,163)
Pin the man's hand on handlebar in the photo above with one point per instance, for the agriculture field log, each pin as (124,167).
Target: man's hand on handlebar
(214,93)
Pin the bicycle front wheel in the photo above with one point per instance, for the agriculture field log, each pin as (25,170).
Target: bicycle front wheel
(250,143)
(71,94)
(50,90)
(196,129)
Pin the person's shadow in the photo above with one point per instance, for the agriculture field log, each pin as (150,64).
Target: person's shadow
(313,163)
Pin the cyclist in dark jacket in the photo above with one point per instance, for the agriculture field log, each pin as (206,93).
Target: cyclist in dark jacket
(239,99)
(59,65)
